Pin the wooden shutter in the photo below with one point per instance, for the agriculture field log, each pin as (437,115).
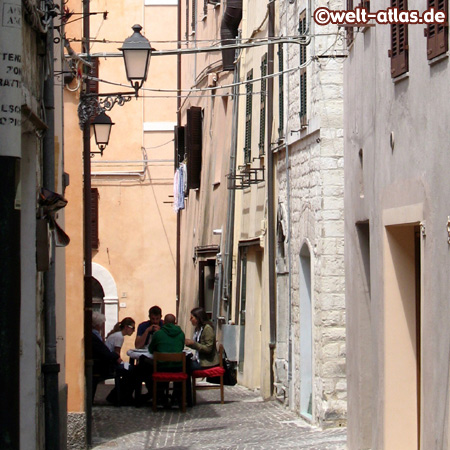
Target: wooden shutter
(194,15)
(187,20)
(248,119)
(303,80)
(262,106)
(94,218)
(350,35)
(399,42)
(194,147)
(93,72)
(280,92)
(179,146)
(437,33)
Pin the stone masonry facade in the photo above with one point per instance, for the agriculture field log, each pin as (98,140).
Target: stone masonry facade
(310,183)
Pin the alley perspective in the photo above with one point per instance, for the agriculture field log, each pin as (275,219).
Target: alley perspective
(245,421)
(224,192)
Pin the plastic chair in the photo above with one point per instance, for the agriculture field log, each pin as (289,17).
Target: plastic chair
(212,372)
(159,376)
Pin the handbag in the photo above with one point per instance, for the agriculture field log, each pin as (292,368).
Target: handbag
(230,376)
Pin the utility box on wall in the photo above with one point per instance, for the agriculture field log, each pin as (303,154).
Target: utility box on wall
(231,338)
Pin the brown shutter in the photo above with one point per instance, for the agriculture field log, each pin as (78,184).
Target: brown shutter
(350,36)
(94,218)
(399,42)
(437,34)
(194,147)
(93,72)
(179,146)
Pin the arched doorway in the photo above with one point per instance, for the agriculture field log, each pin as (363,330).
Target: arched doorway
(110,302)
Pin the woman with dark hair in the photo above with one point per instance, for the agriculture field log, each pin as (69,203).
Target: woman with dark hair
(115,338)
(204,341)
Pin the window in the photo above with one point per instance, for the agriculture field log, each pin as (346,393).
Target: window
(302,30)
(248,119)
(194,147)
(94,218)
(280,91)
(262,109)
(399,43)
(179,146)
(437,33)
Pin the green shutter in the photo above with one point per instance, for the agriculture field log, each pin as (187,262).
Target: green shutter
(262,109)
(303,80)
(280,92)
(248,119)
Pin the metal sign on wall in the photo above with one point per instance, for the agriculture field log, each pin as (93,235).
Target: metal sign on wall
(10,77)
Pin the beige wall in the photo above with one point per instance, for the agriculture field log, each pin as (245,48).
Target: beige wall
(136,227)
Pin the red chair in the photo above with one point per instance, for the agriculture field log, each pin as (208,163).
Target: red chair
(212,372)
(160,376)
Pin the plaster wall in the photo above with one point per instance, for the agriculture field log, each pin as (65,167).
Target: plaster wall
(205,208)
(136,225)
(310,180)
(396,177)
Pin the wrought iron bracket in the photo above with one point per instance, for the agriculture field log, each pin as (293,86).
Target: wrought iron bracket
(91,105)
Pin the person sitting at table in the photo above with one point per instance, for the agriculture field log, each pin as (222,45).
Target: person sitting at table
(146,329)
(107,363)
(169,339)
(203,342)
(115,338)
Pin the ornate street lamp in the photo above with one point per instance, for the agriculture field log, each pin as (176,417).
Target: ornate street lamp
(102,129)
(136,52)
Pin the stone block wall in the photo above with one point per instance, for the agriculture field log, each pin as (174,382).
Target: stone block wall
(310,184)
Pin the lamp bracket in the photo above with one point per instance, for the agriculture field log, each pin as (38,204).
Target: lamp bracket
(91,105)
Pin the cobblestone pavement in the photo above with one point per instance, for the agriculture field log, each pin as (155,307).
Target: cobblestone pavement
(245,421)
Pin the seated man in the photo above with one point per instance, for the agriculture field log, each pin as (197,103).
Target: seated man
(170,339)
(146,329)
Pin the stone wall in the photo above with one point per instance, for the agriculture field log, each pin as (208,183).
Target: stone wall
(310,186)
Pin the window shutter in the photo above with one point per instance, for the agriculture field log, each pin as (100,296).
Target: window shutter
(303,81)
(179,146)
(93,72)
(350,35)
(187,20)
(437,33)
(194,147)
(94,218)
(262,107)
(205,7)
(194,15)
(399,42)
(280,91)
(248,119)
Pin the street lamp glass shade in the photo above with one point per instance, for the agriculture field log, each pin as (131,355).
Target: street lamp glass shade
(136,52)
(102,129)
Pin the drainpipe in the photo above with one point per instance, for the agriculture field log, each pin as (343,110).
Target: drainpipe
(270,197)
(88,362)
(229,241)
(10,271)
(50,367)
(178,251)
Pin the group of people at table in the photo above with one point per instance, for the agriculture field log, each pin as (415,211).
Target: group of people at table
(153,335)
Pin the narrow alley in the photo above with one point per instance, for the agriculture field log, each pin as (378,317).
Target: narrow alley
(245,421)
